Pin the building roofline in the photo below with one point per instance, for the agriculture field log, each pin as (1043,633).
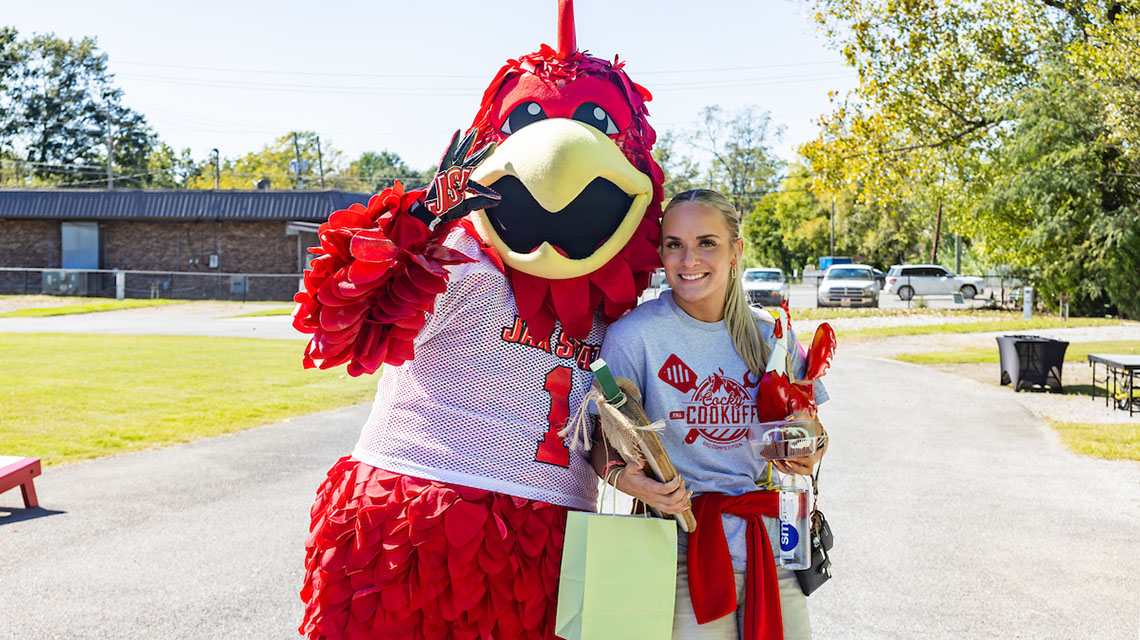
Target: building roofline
(312,205)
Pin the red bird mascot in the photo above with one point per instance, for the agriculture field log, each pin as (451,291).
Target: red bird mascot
(487,294)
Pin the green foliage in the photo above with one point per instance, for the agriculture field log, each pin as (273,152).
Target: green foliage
(1061,198)
(8,54)
(743,166)
(171,169)
(58,106)
(1016,117)
(272,163)
(1108,60)
(378,171)
(790,227)
(681,171)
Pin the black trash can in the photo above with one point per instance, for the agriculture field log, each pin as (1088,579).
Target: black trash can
(1031,361)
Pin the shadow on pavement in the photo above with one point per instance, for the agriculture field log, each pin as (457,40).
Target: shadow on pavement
(12,515)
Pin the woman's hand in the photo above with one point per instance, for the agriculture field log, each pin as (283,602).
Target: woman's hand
(803,466)
(667,497)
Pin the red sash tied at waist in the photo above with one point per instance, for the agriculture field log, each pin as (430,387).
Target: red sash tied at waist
(712,586)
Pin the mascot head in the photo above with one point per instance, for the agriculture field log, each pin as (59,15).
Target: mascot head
(579,221)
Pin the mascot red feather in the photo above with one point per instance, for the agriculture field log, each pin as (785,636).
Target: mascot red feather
(487,295)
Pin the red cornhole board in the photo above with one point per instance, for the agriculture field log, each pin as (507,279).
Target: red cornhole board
(18,472)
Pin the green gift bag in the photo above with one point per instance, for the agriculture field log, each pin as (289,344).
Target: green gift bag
(619,577)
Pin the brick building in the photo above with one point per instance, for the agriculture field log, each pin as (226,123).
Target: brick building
(209,244)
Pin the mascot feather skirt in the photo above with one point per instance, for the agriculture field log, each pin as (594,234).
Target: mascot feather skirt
(485,296)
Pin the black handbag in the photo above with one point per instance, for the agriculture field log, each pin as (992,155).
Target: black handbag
(819,572)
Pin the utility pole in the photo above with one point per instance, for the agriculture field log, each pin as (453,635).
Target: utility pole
(937,233)
(320,162)
(217,169)
(957,254)
(110,149)
(832,227)
(297,151)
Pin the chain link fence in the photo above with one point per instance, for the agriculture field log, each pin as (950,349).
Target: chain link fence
(103,283)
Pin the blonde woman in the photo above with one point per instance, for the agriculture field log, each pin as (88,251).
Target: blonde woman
(697,354)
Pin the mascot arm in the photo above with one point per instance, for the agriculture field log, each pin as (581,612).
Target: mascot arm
(380,268)
(377,274)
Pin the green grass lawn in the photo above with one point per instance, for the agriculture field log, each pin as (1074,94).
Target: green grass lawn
(1110,441)
(1076,351)
(89,305)
(73,397)
(276,311)
(1004,326)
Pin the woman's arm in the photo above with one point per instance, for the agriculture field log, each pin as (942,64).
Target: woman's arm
(667,497)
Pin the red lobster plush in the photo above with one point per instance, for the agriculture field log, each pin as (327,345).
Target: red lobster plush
(487,295)
(780,394)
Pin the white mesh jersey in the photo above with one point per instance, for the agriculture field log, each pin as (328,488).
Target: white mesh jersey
(481,402)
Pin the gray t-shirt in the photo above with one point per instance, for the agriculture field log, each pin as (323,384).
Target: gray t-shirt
(691,376)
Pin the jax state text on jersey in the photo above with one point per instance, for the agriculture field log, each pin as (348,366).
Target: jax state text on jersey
(564,346)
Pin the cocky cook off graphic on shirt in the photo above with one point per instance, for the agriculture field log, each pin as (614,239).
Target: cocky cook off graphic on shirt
(719,409)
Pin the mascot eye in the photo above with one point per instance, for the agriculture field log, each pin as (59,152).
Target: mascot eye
(522,115)
(597,117)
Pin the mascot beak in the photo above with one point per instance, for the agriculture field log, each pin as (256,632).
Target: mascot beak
(571,200)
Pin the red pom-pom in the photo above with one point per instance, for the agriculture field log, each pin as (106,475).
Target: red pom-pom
(377,266)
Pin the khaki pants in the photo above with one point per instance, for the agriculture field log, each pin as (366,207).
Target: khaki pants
(793,610)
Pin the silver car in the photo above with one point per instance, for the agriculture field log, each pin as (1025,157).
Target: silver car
(848,285)
(909,280)
(765,287)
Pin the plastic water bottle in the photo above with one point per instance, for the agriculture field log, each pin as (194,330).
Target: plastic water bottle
(795,521)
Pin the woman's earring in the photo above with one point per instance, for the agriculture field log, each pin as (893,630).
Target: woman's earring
(732,272)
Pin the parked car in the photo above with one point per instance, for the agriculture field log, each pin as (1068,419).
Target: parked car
(848,285)
(765,286)
(880,278)
(908,280)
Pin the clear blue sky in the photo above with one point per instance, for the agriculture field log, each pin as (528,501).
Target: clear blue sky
(401,76)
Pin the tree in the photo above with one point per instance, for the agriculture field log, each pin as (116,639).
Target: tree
(170,169)
(681,171)
(58,108)
(743,166)
(8,54)
(1062,198)
(272,163)
(789,228)
(378,171)
(1108,61)
(977,109)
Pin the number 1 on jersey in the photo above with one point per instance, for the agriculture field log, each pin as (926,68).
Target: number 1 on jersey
(552,449)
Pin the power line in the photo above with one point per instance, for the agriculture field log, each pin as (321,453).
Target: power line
(438,91)
(49,164)
(481,76)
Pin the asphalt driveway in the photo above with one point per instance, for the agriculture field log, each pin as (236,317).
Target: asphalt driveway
(956,515)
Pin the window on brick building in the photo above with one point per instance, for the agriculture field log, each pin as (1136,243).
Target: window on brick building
(80,245)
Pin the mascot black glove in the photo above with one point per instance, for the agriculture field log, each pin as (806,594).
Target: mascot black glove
(451,196)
